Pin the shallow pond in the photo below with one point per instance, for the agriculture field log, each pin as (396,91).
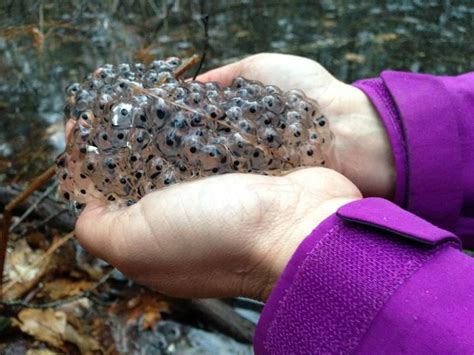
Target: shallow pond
(44,45)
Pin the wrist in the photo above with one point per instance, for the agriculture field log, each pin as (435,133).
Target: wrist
(286,240)
(362,150)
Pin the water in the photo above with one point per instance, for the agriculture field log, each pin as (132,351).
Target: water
(45,45)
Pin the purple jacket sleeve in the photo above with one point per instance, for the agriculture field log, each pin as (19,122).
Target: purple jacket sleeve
(430,123)
(372,279)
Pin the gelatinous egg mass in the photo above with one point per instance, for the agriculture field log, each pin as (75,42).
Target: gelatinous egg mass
(138,128)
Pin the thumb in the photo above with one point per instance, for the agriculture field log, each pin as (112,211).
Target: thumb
(97,227)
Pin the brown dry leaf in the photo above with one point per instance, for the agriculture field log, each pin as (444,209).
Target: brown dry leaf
(46,325)
(51,327)
(354,57)
(23,269)
(145,308)
(150,309)
(102,331)
(38,37)
(85,343)
(61,288)
(150,318)
(20,260)
(37,240)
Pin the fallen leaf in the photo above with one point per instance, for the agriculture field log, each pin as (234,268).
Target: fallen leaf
(144,310)
(147,312)
(37,240)
(20,261)
(85,343)
(24,268)
(38,37)
(61,288)
(52,327)
(150,317)
(45,325)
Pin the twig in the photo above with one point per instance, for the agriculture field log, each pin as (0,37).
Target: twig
(54,247)
(33,206)
(171,102)
(60,302)
(225,318)
(182,106)
(49,218)
(186,65)
(7,214)
(247,303)
(59,215)
(205,23)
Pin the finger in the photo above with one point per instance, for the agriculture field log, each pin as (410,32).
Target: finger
(68,128)
(109,234)
(223,75)
(93,229)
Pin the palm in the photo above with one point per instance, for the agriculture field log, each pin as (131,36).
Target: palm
(232,233)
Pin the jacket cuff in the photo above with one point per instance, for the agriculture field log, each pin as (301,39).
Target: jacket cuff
(420,117)
(380,97)
(342,275)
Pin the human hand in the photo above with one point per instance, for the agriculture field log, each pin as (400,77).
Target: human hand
(221,236)
(362,151)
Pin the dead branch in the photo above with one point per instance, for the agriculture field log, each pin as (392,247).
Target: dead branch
(205,23)
(30,209)
(224,318)
(50,211)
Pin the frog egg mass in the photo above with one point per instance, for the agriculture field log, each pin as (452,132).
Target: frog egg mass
(138,128)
